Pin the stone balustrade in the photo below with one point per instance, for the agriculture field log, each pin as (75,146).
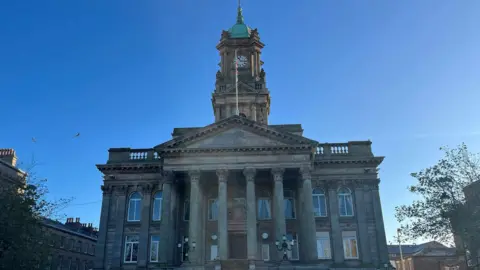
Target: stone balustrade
(120,155)
(353,148)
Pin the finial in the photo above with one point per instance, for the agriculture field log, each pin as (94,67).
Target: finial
(239,14)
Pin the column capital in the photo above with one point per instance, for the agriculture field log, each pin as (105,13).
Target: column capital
(122,190)
(332,184)
(306,172)
(249,173)
(168,177)
(278,174)
(145,188)
(107,189)
(194,175)
(222,175)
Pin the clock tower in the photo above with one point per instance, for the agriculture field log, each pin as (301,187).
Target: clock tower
(253,95)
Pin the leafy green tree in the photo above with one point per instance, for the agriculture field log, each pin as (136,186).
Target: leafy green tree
(440,210)
(24,241)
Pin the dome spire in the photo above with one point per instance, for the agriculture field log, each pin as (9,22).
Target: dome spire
(239,14)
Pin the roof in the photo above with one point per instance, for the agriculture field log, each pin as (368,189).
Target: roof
(431,248)
(240,29)
(82,231)
(291,128)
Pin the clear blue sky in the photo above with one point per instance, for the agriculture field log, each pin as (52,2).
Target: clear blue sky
(405,74)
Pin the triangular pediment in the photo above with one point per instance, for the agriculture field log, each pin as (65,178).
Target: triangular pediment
(242,88)
(235,132)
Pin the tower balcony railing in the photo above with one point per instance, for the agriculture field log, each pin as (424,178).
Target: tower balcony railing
(119,155)
(339,150)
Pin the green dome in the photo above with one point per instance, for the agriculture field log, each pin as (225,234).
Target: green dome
(240,29)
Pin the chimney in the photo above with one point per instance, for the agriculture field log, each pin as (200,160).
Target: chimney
(8,155)
(77,220)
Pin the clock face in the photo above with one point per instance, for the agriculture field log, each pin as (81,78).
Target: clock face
(241,61)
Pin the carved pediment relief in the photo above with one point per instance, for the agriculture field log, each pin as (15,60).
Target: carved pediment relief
(235,137)
(242,88)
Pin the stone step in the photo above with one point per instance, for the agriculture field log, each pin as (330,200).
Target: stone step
(234,265)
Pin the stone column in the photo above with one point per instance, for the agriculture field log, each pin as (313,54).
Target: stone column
(309,246)
(144,240)
(278,206)
(167,221)
(381,238)
(217,113)
(194,230)
(249,174)
(254,112)
(102,233)
(222,214)
(336,236)
(117,256)
(228,110)
(361,214)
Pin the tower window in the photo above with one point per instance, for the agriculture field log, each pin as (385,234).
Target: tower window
(222,87)
(258,86)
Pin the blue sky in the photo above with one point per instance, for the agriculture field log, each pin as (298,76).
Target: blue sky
(404,74)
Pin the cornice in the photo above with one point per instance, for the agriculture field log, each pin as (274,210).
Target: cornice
(282,148)
(130,167)
(351,160)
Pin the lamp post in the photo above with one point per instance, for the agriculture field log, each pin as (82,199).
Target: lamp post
(400,248)
(284,246)
(186,248)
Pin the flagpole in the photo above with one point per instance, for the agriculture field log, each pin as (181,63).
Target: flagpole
(236,83)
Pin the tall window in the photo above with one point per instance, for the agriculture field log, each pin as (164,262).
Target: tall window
(212,209)
(292,254)
(186,210)
(350,244)
(213,252)
(134,207)
(323,245)
(264,210)
(154,247)
(319,203)
(289,204)
(157,206)
(345,203)
(131,248)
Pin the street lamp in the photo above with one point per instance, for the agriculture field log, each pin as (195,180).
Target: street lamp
(284,246)
(186,248)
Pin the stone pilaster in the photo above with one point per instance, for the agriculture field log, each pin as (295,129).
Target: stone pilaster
(309,245)
(117,256)
(168,215)
(336,235)
(254,112)
(194,229)
(222,214)
(102,234)
(381,238)
(361,213)
(278,207)
(144,240)
(249,174)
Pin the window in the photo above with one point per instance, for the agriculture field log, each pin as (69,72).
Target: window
(323,245)
(131,248)
(85,265)
(79,246)
(266,252)
(292,254)
(85,248)
(319,203)
(154,247)
(72,244)
(350,244)
(62,241)
(186,210)
(289,204)
(213,252)
(264,210)
(134,209)
(345,204)
(157,206)
(212,209)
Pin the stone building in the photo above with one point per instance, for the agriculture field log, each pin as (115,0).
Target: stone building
(427,256)
(72,244)
(241,193)
(9,173)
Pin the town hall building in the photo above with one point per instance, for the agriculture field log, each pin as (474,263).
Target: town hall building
(242,193)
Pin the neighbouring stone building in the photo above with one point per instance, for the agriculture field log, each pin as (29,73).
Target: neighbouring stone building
(241,193)
(9,173)
(72,244)
(427,256)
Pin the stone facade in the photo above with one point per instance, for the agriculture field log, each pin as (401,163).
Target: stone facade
(9,173)
(240,193)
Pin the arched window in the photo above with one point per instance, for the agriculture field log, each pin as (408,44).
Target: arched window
(345,204)
(319,203)
(157,206)
(134,207)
